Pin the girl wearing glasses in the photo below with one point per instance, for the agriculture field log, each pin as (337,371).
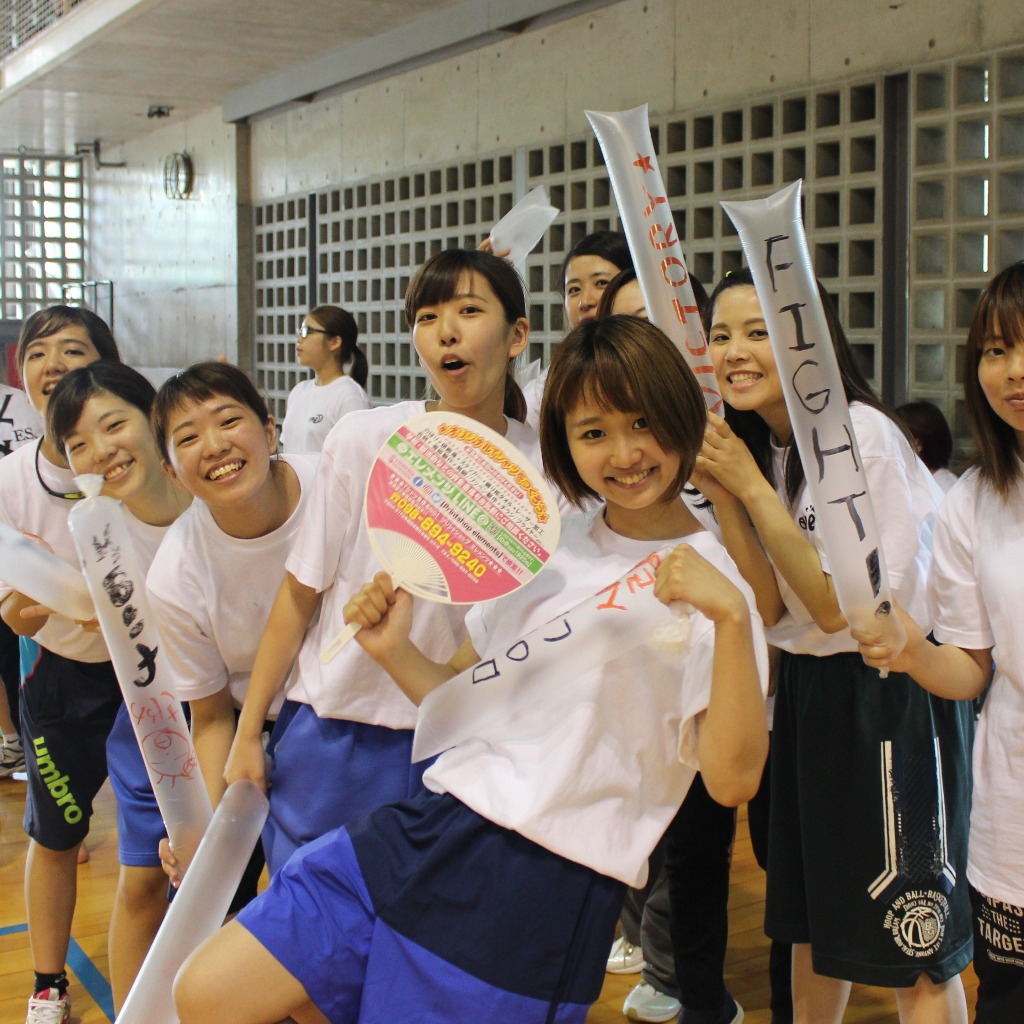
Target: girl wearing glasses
(327,343)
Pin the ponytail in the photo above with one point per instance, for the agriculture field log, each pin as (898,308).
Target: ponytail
(360,368)
(515,400)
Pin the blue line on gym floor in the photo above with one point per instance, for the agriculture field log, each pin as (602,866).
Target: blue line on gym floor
(84,969)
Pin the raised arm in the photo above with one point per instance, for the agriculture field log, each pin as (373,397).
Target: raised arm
(726,458)
(733,740)
(955,673)
(741,541)
(384,615)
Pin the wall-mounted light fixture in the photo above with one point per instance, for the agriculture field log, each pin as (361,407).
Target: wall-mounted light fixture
(179,176)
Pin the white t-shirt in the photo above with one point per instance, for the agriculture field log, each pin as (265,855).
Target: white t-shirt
(213,594)
(19,422)
(945,478)
(976,589)
(28,508)
(312,411)
(533,392)
(905,499)
(596,781)
(332,555)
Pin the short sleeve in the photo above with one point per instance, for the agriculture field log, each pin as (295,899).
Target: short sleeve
(891,480)
(954,590)
(315,557)
(191,655)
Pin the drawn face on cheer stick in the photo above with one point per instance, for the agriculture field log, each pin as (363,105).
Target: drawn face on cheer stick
(455,513)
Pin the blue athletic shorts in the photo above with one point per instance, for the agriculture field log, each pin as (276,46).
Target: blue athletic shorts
(425,911)
(140,826)
(329,771)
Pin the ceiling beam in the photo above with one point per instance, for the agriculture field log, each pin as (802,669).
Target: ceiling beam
(458,29)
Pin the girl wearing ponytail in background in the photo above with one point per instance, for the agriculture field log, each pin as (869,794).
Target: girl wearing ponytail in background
(328,342)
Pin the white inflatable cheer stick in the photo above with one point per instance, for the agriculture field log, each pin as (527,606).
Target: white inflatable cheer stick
(118,587)
(200,905)
(39,574)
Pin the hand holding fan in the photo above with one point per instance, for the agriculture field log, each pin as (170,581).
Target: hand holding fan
(455,513)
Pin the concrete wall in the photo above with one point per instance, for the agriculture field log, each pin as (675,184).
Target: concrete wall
(176,264)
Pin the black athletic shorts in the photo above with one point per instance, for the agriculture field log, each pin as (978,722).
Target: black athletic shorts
(67,711)
(870,801)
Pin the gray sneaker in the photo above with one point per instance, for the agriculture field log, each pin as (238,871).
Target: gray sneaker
(12,759)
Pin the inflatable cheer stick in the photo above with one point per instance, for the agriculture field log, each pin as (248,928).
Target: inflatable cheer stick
(37,573)
(200,905)
(772,234)
(118,587)
(625,139)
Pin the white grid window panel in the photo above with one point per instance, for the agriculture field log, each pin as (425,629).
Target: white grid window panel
(371,236)
(20,20)
(42,231)
(281,286)
(967,208)
(966,217)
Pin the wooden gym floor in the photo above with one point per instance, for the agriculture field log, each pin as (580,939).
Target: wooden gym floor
(746,969)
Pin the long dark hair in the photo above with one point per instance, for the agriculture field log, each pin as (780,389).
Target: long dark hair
(74,389)
(753,430)
(998,447)
(340,323)
(436,281)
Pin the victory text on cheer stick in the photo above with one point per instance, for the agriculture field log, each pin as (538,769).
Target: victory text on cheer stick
(455,513)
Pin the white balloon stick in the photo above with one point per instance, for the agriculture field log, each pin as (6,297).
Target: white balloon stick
(772,234)
(118,587)
(200,905)
(625,139)
(39,574)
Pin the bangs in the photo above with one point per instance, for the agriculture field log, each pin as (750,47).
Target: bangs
(436,281)
(199,383)
(1003,300)
(607,377)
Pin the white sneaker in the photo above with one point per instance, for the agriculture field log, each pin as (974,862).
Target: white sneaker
(646,1003)
(49,1007)
(625,958)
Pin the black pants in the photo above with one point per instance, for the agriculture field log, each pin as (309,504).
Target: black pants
(998,960)
(698,855)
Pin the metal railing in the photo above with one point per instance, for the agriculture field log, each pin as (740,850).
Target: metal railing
(20,20)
